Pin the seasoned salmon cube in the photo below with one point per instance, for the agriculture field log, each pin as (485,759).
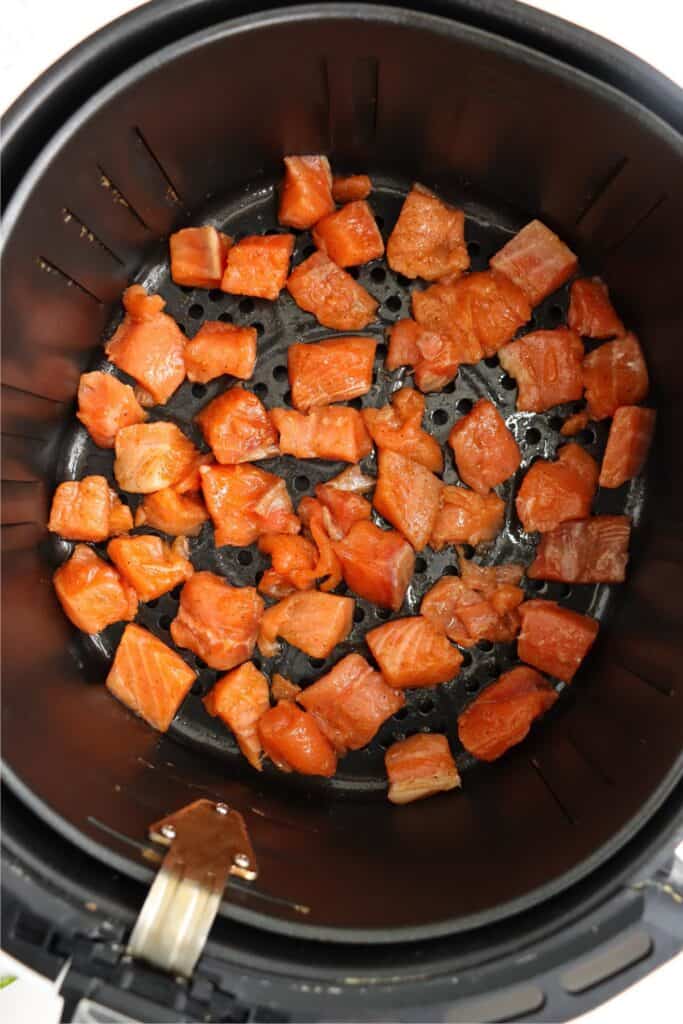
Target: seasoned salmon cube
(485,451)
(420,766)
(591,550)
(239,699)
(402,349)
(148,677)
(536,260)
(149,346)
(217,621)
(327,432)
(178,515)
(244,502)
(306,193)
(575,424)
(398,428)
(293,741)
(547,366)
(258,265)
(480,604)
(628,444)
(335,370)
(315,522)
(615,374)
(293,561)
(590,311)
(466,517)
(350,703)
(502,715)
(105,405)
(238,428)
(408,496)
(150,565)
(554,639)
(88,509)
(192,481)
(554,492)
(151,456)
(219,348)
(320,287)
(428,239)
(349,188)
(439,310)
(92,593)
(433,356)
(349,236)
(198,256)
(282,688)
(376,564)
(310,620)
(344,506)
(413,652)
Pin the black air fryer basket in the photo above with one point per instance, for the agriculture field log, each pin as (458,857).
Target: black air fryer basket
(546,884)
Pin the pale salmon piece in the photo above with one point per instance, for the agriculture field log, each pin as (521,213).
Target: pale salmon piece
(547,366)
(413,652)
(92,593)
(282,688)
(306,193)
(349,188)
(293,562)
(536,260)
(293,741)
(502,715)
(428,239)
(148,677)
(320,287)
(219,348)
(150,565)
(350,703)
(575,424)
(239,699)
(376,564)
(480,604)
(244,502)
(217,621)
(349,236)
(198,256)
(105,404)
(148,345)
(88,509)
(554,639)
(178,515)
(628,444)
(238,428)
(485,451)
(590,311)
(335,370)
(615,374)
(466,517)
(317,525)
(554,492)
(310,620)
(593,550)
(345,505)
(151,456)
(333,432)
(398,428)
(258,265)
(420,766)
(408,496)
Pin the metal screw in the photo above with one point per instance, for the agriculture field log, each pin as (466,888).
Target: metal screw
(222,809)
(168,831)
(241,860)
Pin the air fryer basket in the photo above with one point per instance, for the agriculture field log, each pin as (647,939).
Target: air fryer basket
(199,130)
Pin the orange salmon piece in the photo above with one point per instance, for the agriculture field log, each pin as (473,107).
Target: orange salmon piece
(466,517)
(349,188)
(554,492)
(485,451)
(326,432)
(335,370)
(349,236)
(244,502)
(344,506)
(320,287)
(418,767)
(105,405)
(502,715)
(293,741)
(92,593)
(376,564)
(591,550)
(428,239)
(590,311)
(217,621)
(433,356)
(480,604)
(238,428)
(293,561)
(438,310)
(150,565)
(547,366)
(398,428)
(282,688)
(615,374)
(258,265)
(151,456)
(408,496)
(198,256)
(310,620)
(239,699)
(628,444)
(412,652)
(178,515)
(554,639)
(148,677)
(536,260)
(219,348)
(88,509)
(306,193)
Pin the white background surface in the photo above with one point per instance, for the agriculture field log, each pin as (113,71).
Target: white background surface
(34,34)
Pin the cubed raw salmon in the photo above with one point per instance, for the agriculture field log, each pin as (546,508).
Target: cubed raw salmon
(590,311)
(293,561)
(547,366)
(334,370)
(151,456)
(628,444)
(282,688)
(485,451)
(575,424)
(149,564)
(341,497)
(433,356)
(591,550)
(178,515)
(238,428)
(554,639)
(333,432)
(310,620)
(376,564)
(217,621)
(536,260)
(88,509)
(244,502)
(466,517)
(554,492)
(306,193)
(420,766)
(408,496)
(149,677)
(92,593)
(480,604)
(502,715)
(413,652)
(615,374)
(239,699)
(320,287)
(258,265)
(398,428)
(293,741)
(198,256)
(149,346)
(219,348)
(349,236)
(438,309)
(349,188)
(105,405)
(428,239)
(192,481)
